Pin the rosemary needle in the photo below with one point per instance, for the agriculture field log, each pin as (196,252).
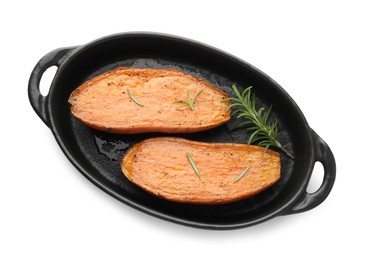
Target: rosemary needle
(241,174)
(134,98)
(193,165)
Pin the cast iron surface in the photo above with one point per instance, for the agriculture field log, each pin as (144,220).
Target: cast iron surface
(97,154)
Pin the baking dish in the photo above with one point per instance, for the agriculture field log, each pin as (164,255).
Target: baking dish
(96,154)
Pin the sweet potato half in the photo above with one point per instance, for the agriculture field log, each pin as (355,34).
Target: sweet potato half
(162,167)
(133,100)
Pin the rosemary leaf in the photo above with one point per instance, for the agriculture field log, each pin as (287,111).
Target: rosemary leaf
(193,165)
(134,98)
(241,174)
(196,95)
(236,90)
(180,106)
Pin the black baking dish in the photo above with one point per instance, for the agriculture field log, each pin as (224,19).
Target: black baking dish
(96,155)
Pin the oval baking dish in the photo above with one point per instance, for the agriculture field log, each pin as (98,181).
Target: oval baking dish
(97,154)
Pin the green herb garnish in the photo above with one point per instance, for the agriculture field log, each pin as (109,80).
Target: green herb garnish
(134,98)
(265,134)
(189,102)
(193,165)
(241,174)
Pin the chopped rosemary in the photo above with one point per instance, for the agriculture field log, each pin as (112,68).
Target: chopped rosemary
(264,133)
(134,98)
(189,102)
(241,174)
(193,165)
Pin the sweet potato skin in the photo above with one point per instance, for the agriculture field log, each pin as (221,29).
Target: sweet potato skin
(103,102)
(161,167)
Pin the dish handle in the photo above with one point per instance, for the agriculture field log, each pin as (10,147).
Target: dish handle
(37,100)
(309,201)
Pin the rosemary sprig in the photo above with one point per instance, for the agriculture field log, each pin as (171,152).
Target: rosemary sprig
(241,174)
(193,165)
(134,98)
(189,102)
(264,133)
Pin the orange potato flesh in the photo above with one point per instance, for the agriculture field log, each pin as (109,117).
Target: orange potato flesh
(161,167)
(103,102)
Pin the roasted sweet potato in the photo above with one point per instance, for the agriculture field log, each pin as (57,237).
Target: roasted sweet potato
(110,102)
(161,167)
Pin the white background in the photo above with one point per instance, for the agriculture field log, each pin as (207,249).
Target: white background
(317,51)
